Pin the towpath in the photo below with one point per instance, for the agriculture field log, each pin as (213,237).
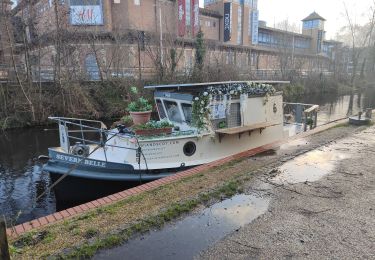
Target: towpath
(331,218)
(313,200)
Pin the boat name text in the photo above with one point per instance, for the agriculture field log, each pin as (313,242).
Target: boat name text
(78,160)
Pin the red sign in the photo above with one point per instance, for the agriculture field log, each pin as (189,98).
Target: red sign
(194,17)
(181,18)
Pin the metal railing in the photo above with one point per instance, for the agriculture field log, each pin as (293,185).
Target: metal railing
(301,114)
(78,130)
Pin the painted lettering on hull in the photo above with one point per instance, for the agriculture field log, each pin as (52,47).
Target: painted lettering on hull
(87,162)
(161,150)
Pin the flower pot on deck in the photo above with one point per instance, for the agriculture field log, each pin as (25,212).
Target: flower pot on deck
(140,117)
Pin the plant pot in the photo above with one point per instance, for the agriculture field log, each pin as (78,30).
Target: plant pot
(153,131)
(140,117)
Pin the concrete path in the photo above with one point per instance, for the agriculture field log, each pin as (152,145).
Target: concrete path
(329,218)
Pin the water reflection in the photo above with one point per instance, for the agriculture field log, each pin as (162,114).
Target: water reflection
(21,178)
(309,167)
(333,107)
(188,237)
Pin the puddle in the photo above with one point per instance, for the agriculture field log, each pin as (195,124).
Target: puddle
(310,167)
(188,237)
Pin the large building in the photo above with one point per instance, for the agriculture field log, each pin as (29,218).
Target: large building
(139,37)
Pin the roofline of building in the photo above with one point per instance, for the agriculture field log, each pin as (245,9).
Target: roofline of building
(313,16)
(283,31)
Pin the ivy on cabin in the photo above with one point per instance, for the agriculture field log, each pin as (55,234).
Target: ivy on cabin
(201,103)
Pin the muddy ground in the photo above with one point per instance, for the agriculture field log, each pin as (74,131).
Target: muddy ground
(330,217)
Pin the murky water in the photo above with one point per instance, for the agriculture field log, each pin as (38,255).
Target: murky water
(21,179)
(332,107)
(186,238)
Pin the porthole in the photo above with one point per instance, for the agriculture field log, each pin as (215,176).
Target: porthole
(189,148)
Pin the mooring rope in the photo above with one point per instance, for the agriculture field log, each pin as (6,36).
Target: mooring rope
(71,169)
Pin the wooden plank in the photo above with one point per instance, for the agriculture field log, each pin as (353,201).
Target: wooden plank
(311,109)
(242,129)
(4,250)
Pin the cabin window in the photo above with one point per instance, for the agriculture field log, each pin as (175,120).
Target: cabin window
(173,111)
(234,118)
(161,110)
(187,110)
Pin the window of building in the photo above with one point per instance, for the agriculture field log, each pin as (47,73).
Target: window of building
(173,111)
(239,25)
(311,24)
(92,68)
(188,12)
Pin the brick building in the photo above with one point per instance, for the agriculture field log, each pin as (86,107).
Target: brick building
(121,38)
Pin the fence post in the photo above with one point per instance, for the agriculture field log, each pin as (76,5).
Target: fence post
(316,119)
(4,250)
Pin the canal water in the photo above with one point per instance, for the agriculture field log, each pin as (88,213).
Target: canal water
(22,180)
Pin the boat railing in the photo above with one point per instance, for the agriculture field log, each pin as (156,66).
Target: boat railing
(87,132)
(81,127)
(301,114)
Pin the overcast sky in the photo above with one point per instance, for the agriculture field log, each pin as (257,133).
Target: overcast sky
(274,11)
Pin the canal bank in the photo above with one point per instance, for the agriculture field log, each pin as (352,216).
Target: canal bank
(151,207)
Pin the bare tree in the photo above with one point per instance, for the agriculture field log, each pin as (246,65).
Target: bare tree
(285,49)
(360,38)
(25,87)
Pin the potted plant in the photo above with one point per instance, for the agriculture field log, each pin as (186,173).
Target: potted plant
(140,111)
(153,128)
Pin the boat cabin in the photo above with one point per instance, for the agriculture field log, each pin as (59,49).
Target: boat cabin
(230,107)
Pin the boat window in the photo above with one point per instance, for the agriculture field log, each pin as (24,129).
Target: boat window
(173,111)
(161,110)
(187,110)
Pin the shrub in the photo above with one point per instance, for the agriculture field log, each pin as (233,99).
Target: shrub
(140,105)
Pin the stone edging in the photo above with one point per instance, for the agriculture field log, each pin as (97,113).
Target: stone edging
(77,210)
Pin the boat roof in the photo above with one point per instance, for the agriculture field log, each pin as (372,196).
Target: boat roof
(211,84)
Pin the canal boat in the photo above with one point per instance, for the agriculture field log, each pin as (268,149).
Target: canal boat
(211,121)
